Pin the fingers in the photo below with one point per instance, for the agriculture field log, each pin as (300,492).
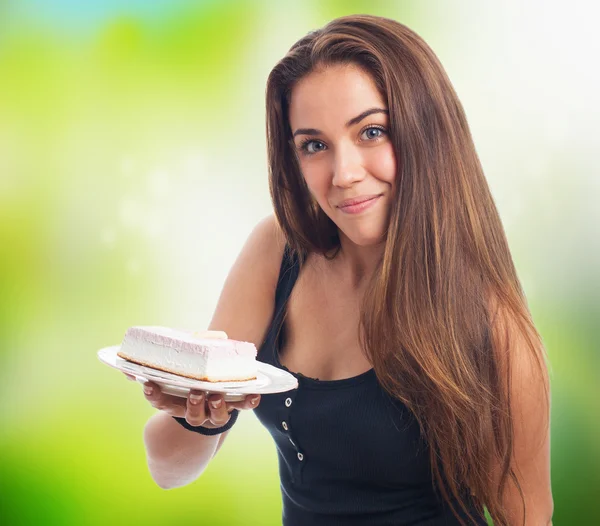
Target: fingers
(152,392)
(198,408)
(195,413)
(250,402)
(130,377)
(173,405)
(218,414)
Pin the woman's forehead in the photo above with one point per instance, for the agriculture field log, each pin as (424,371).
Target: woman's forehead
(340,92)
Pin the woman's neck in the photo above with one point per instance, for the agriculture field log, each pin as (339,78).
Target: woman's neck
(356,263)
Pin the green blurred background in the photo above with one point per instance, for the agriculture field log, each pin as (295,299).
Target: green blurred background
(133,167)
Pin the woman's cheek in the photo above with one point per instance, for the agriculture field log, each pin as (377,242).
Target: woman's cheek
(316,181)
(385,164)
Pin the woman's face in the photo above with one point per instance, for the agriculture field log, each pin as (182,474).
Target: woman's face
(339,123)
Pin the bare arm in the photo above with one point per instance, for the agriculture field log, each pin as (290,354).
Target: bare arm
(175,455)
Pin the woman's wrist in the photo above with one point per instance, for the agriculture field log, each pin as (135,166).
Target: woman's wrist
(208,428)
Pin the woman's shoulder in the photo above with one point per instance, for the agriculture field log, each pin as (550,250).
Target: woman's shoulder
(265,247)
(246,302)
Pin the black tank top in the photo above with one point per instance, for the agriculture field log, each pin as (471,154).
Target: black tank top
(349,453)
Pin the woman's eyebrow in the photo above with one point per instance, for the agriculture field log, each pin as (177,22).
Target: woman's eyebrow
(351,122)
(364,114)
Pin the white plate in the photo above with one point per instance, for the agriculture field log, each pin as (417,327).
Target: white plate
(269,379)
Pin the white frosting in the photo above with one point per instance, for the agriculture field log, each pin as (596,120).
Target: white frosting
(182,353)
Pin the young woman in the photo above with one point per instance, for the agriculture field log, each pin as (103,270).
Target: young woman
(385,284)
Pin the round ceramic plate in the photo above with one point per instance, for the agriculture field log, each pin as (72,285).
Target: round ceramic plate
(269,379)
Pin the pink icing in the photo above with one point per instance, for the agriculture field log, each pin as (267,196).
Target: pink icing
(186,342)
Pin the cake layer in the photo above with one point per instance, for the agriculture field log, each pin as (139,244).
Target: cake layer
(208,359)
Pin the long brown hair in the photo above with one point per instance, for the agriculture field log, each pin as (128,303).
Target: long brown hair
(428,319)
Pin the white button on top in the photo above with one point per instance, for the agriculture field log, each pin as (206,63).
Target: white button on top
(300,457)
(288,402)
(284,425)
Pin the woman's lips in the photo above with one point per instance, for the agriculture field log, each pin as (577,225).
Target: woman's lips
(359,207)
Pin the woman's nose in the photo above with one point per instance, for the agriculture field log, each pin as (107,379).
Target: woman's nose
(347,167)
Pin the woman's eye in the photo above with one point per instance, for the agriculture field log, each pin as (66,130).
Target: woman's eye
(312,146)
(371,133)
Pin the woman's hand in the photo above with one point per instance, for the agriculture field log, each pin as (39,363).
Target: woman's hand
(198,409)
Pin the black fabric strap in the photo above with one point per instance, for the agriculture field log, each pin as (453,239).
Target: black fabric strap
(207,430)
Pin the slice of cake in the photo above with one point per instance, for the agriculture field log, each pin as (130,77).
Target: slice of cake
(208,356)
